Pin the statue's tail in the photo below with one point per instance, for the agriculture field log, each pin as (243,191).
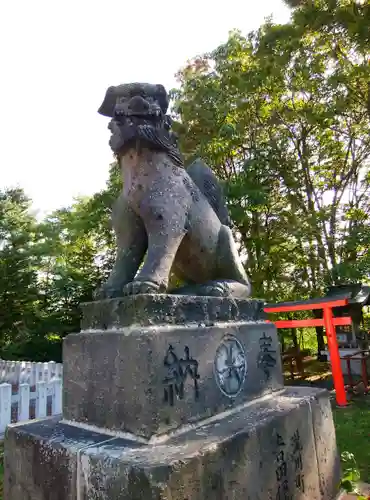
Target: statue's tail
(209,185)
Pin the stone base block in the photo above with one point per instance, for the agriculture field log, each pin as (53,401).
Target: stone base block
(211,355)
(278,447)
(149,381)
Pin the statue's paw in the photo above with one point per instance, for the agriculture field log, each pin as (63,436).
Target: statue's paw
(138,287)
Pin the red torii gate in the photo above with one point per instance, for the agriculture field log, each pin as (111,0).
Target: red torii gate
(328,322)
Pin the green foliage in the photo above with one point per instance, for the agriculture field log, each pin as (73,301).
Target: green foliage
(281,116)
(48,268)
(351,473)
(34,347)
(18,265)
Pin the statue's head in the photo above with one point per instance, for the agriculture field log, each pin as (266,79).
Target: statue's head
(135,100)
(138,114)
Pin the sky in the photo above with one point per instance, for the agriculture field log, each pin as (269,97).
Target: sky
(57,58)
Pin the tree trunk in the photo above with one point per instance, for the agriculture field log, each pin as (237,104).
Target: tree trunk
(294,334)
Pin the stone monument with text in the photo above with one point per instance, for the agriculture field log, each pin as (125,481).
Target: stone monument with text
(173,394)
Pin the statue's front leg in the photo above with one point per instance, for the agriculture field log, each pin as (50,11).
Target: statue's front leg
(132,243)
(164,238)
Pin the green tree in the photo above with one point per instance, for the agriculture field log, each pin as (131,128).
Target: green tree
(18,266)
(76,248)
(348,17)
(72,252)
(281,116)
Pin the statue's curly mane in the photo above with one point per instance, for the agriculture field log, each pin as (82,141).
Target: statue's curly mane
(138,113)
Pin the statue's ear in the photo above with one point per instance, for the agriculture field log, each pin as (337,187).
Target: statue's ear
(162,97)
(107,106)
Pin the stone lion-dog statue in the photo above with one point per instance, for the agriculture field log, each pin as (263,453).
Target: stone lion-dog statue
(167,218)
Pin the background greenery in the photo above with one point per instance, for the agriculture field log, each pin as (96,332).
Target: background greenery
(282,115)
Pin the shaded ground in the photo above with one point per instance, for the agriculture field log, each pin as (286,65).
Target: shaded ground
(316,373)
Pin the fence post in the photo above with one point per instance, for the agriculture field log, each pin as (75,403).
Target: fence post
(46,372)
(52,370)
(10,372)
(5,406)
(41,399)
(13,373)
(23,402)
(39,372)
(23,373)
(28,373)
(33,378)
(7,372)
(17,373)
(56,401)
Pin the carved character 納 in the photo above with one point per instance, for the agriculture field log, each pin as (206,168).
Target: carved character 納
(178,370)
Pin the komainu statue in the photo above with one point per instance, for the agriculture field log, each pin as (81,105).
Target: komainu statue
(167,217)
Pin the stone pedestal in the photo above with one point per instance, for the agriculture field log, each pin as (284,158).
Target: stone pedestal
(149,379)
(173,398)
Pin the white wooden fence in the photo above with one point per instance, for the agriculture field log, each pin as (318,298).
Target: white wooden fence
(29,390)
(26,372)
(44,400)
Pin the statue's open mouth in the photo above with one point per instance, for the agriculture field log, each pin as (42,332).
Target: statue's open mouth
(118,113)
(139,99)
(137,107)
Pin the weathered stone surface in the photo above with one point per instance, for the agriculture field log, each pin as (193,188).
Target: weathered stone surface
(326,451)
(265,451)
(248,454)
(117,380)
(153,309)
(40,461)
